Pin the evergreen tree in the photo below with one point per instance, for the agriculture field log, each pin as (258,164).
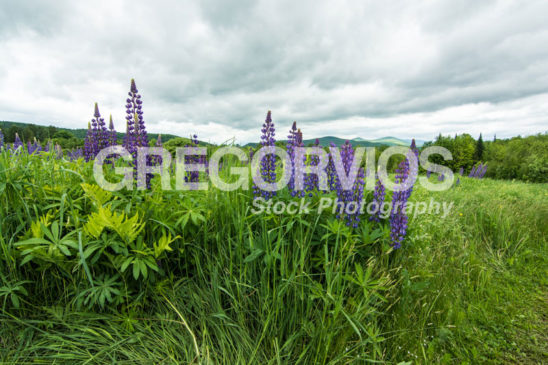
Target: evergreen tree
(480,148)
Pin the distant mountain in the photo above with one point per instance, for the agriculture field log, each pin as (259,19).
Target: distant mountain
(356,142)
(393,141)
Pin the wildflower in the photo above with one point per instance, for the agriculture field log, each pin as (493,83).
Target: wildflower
(17,143)
(33,147)
(136,135)
(267,167)
(479,168)
(193,176)
(102,134)
(90,143)
(482,172)
(349,200)
(472,172)
(1,140)
(331,171)
(298,142)
(290,148)
(398,218)
(75,154)
(378,199)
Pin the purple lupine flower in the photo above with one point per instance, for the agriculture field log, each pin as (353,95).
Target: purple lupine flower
(461,171)
(331,171)
(484,171)
(1,140)
(290,148)
(348,201)
(378,199)
(193,176)
(17,143)
(298,142)
(136,109)
(90,144)
(75,154)
(457,182)
(413,171)
(398,218)
(33,147)
(472,172)
(441,177)
(267,167)
(481,171)
(477,172)
(102,134)
(136,135)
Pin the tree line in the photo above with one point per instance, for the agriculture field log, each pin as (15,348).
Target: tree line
(522,158)
(28,132)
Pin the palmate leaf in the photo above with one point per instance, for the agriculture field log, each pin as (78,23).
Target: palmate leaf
(127,228)
(49,246)
(105,290)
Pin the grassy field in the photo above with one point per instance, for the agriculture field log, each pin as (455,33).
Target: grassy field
(196,278)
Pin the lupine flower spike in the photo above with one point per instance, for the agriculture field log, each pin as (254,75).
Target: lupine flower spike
(90,144)
(398,218)
(17,143)
(348,201)
(267,167)
(378,199)
(136,135)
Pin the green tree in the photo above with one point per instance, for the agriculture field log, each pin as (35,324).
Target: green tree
(480,148)
(463,152)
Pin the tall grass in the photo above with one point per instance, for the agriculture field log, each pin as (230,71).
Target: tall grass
(238,288)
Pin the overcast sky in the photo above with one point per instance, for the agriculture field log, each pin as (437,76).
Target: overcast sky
(352,69)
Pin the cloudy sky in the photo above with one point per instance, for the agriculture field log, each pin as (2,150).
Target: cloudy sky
(352,69)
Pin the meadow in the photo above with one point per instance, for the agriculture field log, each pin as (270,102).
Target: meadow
(155,276)
(195,276)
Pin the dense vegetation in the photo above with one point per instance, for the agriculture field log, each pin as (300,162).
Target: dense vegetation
(523,158)
(170,277)
(190,276)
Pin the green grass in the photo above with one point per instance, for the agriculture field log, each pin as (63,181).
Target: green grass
(243,289)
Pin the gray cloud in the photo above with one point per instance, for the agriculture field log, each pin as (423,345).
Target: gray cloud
(350,69)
